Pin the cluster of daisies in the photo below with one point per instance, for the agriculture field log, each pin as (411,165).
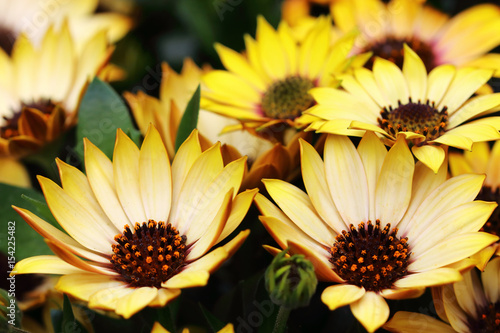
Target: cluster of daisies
(365,139)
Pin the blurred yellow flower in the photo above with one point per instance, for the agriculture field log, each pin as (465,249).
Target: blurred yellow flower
(139,229)
(470,305)
(430,109)
(462,40)
(376,223)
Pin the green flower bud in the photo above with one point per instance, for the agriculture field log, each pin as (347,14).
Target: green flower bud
(290,281)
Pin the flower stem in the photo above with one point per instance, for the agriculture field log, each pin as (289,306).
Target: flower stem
(281,319)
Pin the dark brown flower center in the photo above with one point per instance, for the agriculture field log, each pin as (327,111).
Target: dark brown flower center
(7,38)
(288,98)
(419,118)
(487,319)
(369,256)
(392,49)
(493,224)
(150,255)
(10,128)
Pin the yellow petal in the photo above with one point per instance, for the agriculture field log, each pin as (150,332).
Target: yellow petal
(134,302)
(435,277)
(187,280)
(371,311)
(165,296)
(415,74)
(439,80)
(271,52)
(391,82)
(475,107)
(45,265)
(342,294)
(14,173)
(432,156)
(82,286)
(490,278)
(407,322)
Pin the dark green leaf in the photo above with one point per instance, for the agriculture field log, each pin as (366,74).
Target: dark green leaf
(101,113)
(215,323)
(28,242)
(69,324)
(189,119)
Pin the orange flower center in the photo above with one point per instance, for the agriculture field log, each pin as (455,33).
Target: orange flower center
(150,255)
(10,128)
(392,49)
(7,38)
(493,224)
(419,118)
(369,256)
(288,98)
(487,319)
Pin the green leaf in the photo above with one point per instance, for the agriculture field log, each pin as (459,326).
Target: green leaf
(68,323)
(28,242)
(215,323)
(189,119)
(101,113)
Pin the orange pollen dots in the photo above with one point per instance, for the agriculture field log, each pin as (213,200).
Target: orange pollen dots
(487,319)
(392,49)
(419,118)
(287,98)
(150,255)
(493,224)
(369,256)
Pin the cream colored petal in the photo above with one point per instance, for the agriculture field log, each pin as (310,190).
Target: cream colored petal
(397,294)
(337,126)
(415,74)
(313,173)
(391,81)
(70,214)
(100,175)
(424,182)
(450,194)
(298,207)
(126,177)
(322,267)
(452,140)
(339,295)
(76,185)
(435,277)
(464,84)
(82,286)
(241,204)
(134,302)
(210,230)
(475,107)
(438,82)
(371,311)
(468,217)
(478,158)
(209,262)
(165,296)
(469,293)
(346,179)
(58,237)
(393,191)
(46,264)
(456,316)
(187,280)
(493,171)
(475,132)
(267,208)
(202,172)
(432,156)
(451,250)
(408,322)
(459,165)
(155,177)
(108,298)
(355,88)
(366,78)
(490,278)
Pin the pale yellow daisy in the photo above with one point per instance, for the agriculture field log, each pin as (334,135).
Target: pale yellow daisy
(433,110)
(376,223)
(139,229)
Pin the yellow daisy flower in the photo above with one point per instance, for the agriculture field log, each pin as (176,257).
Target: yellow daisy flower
(471,305)
(34,18)
(463,40)
(145,227)
(376,224)
(268,85)
(429,109)
(483,160)
(41,88)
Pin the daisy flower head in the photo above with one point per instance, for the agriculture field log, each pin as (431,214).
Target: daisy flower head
(385,27)
(139,229)
(375,223)
(470,305)
(433,110)
(41,87)
(268,85)
(483,160)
